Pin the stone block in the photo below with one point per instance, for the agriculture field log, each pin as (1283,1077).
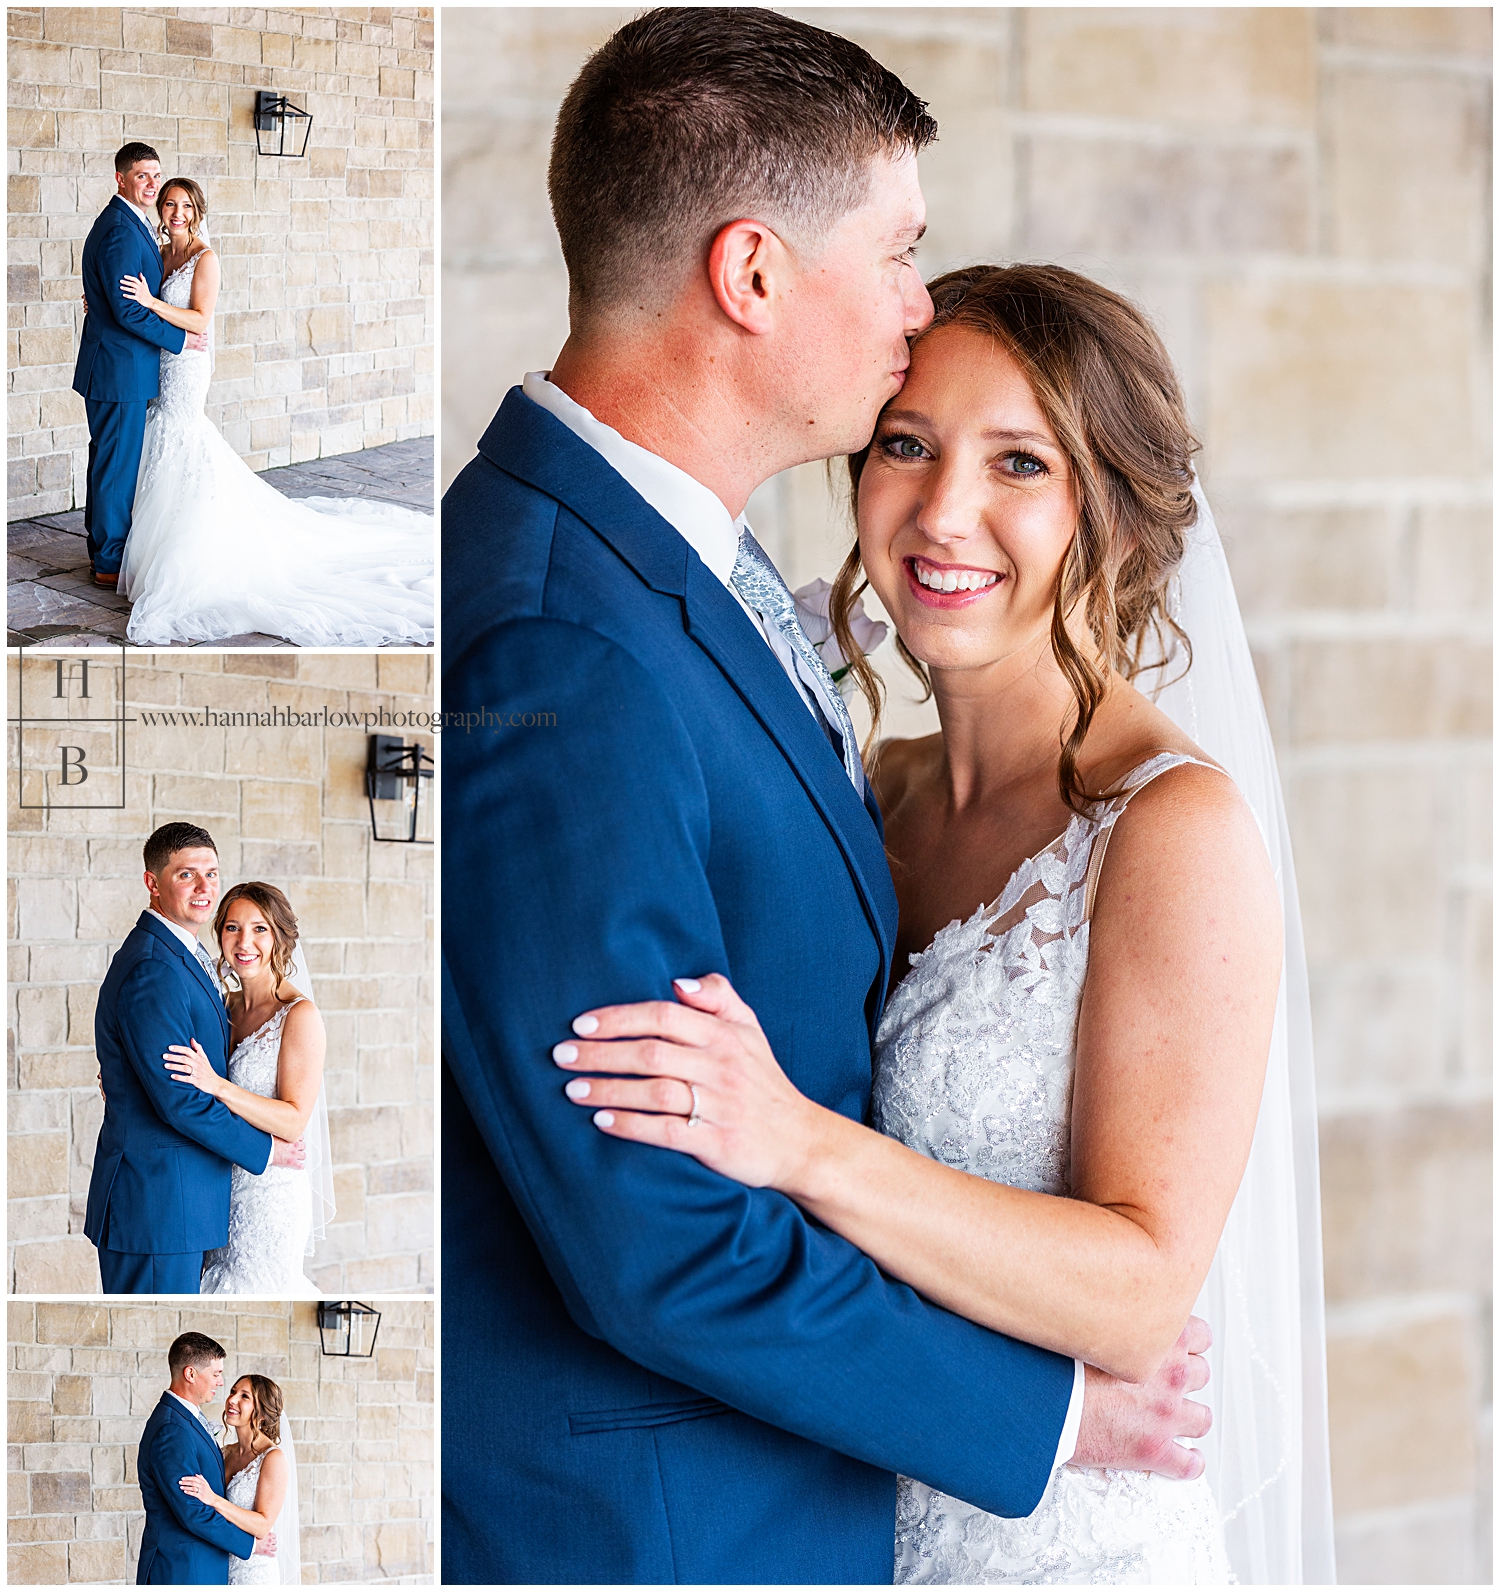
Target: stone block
(37,1164)
(108,907)
(38,1563)
(88,25)
(1452,557)
(1413,30)
(41,1017)
(1401,1400)
(1302,371)
(279,809)
(1437,1543)
(262,1335)
(46,65)
(97,1561)
(60,1492)
(1390,690)
(1285,560)
(189,38)
(1364,851)
(29,1420)
(60,1265)
(1219,68)
(1089,196)
(80,1326)
(1406,1200)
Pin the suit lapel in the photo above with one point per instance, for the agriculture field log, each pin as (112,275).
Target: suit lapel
(175,1411)
(194,967)
(140,225)
(528,443)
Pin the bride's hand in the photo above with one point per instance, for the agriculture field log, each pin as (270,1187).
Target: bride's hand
(137,288)
(196,1487)
(190,1064)
(709,1053)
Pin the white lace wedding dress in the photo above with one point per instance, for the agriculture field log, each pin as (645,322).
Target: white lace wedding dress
(270,1215)
(214,551)
(974,1067)
(260,1569)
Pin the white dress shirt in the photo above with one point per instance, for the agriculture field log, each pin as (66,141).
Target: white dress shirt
(697,515)
(146,220)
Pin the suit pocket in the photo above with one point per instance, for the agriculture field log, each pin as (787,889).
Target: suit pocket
(583,1422)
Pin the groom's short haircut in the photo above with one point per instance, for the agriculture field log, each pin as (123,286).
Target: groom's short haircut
(691,117)
(171,838)
(128,154)
(194,1349)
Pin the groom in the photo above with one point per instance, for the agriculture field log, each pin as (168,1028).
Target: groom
(159,1193)
(686,1379)
(119,359)
(186,1543)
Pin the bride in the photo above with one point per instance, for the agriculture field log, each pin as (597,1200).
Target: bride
(1093,1087)
(260,1484)
(213,550)
(275,1082)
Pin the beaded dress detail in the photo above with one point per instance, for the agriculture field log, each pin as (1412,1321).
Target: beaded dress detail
(261,1569)
(974,1067)
(215,552)
(270,1215)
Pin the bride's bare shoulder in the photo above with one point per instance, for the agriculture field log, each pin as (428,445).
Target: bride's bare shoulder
(897,765)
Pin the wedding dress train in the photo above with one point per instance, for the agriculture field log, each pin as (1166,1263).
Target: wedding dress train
(974,1067)
(214,551)
(270,1215)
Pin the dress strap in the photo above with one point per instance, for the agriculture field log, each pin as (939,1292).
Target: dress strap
(1137,780)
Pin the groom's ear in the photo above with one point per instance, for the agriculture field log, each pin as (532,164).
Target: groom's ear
(747,264)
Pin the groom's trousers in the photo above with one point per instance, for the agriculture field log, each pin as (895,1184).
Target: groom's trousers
(116,431)
(147,1274)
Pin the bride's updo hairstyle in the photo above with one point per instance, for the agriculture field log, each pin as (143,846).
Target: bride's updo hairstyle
(1108,390)
(276,910)
(195,195)
(266,1418)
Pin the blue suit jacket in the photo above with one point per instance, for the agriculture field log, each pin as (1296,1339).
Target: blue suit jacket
(655,1374)
(119,359)
(160,1184)
(185,1542)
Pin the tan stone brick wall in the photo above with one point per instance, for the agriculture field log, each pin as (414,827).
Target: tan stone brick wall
(285,805)
(325,318)
(83,1379)
(1300,198)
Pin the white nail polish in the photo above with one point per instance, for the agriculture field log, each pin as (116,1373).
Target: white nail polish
(578,1089)
(585,1025)
(688,986)
(604,1119)
(565,1052)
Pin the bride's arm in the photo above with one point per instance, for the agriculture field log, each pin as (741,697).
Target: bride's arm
(270,1493)
(299,1076)
(1173,1033)
(199,315)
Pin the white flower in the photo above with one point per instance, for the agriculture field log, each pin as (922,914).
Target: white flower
(812,612)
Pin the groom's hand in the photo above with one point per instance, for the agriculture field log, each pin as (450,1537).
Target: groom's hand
(266,1546)
(197,342)
(291,1156)
(1135,1425)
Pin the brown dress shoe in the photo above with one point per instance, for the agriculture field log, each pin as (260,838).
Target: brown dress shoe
(103,577)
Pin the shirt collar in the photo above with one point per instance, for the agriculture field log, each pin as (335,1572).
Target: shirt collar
(688,506)
(192,1409)
(189,940)
(146,220)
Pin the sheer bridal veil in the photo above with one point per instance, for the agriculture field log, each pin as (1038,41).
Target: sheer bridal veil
(315,1134)
(1267,1454)
(288,1522)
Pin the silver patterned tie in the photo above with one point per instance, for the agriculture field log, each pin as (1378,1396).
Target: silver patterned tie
(206,962)
(756,579)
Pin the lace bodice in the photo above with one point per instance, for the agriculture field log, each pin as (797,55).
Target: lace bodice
(259,1569)
(185,376)
(270,1215)
(974,1067)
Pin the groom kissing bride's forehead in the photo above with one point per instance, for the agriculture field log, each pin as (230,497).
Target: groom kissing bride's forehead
(722,1387)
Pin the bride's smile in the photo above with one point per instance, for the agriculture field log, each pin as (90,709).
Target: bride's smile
(248,943)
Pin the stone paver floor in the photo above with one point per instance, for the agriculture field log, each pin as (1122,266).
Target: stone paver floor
(52,598)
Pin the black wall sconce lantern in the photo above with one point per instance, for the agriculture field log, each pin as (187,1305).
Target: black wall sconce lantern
(348,1328)
(280,128)
(394,773)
